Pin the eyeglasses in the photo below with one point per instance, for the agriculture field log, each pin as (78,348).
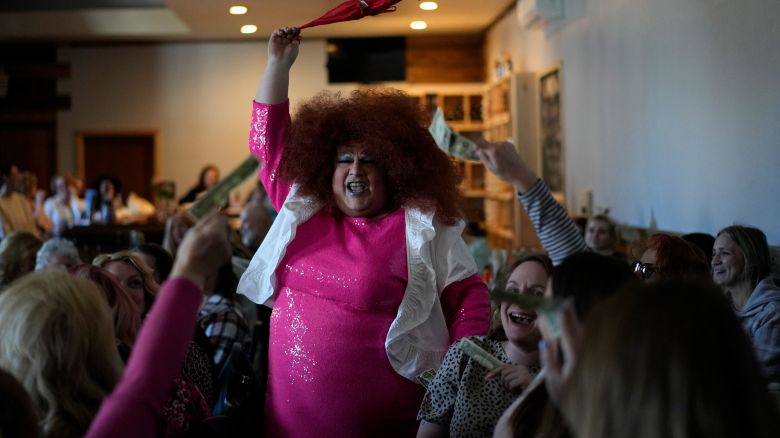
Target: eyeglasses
(645,269)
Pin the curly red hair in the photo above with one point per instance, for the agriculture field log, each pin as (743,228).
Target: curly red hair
(676,257)
(391,126)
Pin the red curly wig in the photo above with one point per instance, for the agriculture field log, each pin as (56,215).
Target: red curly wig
(391,126)
(678,258)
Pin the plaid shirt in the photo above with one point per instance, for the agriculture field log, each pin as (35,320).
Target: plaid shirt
(224,325)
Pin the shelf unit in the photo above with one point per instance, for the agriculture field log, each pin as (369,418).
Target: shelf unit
(510,115)
(463,106)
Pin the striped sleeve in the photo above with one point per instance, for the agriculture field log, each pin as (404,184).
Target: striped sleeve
(557,232)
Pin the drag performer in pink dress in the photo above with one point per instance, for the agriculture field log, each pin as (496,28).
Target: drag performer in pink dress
(365,267)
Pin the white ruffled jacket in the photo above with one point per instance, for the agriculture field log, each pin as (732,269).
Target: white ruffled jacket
(436,255)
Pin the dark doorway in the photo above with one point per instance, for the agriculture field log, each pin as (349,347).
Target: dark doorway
(31,148)
(125,157)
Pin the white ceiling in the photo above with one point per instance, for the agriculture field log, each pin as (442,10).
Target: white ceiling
(175,20)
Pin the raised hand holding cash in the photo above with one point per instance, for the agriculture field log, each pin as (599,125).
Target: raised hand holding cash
(451,142)
(218,195)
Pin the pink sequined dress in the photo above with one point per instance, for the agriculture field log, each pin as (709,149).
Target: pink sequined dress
(338,288)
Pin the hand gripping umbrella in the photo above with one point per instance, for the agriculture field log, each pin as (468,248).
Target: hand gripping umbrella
(353,10)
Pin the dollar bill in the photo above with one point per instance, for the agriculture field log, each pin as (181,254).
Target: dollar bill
(218,194)
(426,377)
(547,307)
(451,142)
(479,354)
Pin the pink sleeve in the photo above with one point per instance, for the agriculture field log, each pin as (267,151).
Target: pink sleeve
(266,141)
(134,408)
(466,308)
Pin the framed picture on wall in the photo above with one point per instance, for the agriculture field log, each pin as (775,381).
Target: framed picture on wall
(551,128)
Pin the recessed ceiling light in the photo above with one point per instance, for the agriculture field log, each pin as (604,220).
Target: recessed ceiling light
(428,6)
(238,10)
(248,28)
(418,25)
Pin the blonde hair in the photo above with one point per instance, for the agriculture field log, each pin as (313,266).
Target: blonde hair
(58,341)
(133,259)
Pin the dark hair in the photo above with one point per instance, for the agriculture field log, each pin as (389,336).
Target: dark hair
(588,278)
(227,283)
(677,258)
(496,330)
(611,226)
(392,127)
(703,241)
(755,251)
(163,261)
(654,366)
(202,177)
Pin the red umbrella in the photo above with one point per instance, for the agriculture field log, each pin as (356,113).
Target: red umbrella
(353,10)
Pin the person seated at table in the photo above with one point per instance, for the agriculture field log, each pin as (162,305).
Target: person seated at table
(17,256)
(209,176)
(62,209)
(15,212)
(465,398)
(57,252)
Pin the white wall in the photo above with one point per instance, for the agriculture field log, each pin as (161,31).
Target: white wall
(198,96)
(671,107)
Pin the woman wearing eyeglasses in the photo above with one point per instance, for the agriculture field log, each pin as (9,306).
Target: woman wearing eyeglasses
(667,256)
(741,266)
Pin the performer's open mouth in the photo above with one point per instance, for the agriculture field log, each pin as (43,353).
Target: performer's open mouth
(356,188)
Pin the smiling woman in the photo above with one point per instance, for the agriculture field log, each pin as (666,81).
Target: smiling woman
(741,266)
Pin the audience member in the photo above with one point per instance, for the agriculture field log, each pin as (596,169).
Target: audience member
(194,392)
(584,279)
(601,235)
(741,266)
(667,360)
(220,317)
(667,256)
(126,314)
(17,256)
(366,250)
(15,212)
(135,408)
(58,341)
(464,399)
(133,274)
(157,258)
(209,176)
(255,223)
(57,252)
(61,208)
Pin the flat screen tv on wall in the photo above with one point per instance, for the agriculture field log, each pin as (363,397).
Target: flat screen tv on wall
(366,60)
